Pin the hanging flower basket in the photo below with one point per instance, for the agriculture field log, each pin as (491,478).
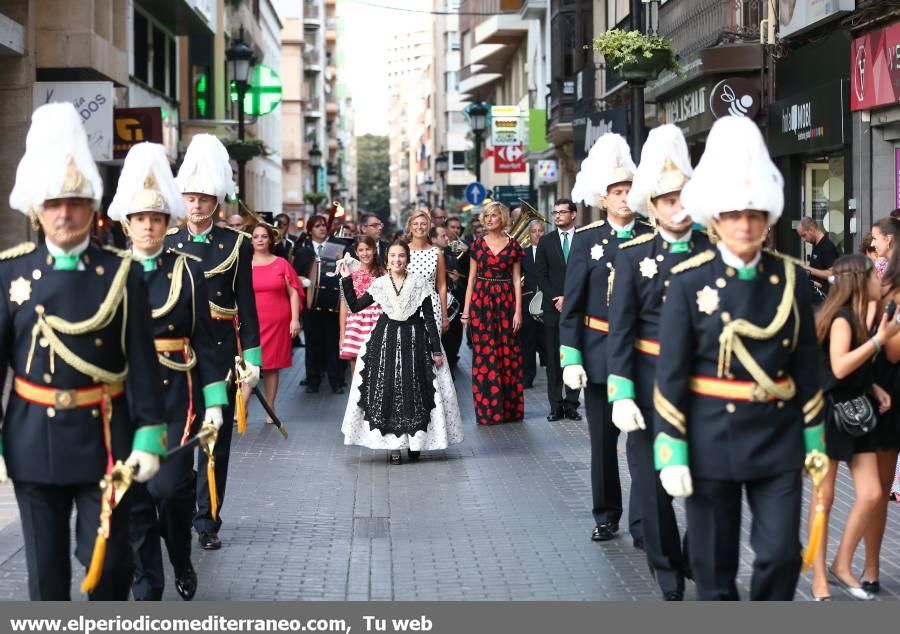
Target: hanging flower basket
(245,150)
(645,68)
(635,56)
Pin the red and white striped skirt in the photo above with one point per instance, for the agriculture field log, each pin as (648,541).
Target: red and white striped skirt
(358,327)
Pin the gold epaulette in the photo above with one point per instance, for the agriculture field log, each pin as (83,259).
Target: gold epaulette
(122,253)
(786,258)
(243,233)
(641,239)
(649,225)
(598,223)
(184,255)
(693,262)
(18,251)
(171,231)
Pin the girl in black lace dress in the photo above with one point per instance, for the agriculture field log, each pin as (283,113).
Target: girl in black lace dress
(402,393)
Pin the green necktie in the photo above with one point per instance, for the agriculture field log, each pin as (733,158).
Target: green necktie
(200,237)
(625,233)
(680,246)
(319,250)
(149,264)
(66,262)
(566,246)
(747,273)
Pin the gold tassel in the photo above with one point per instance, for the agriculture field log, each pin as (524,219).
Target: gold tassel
(815,537)
(211,479)
(95,570)
(241,405)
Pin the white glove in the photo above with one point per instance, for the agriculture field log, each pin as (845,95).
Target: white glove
(247,373)
(147,464)
(3,476)
(213,415)
(676,480)
(575,377)
(626,416)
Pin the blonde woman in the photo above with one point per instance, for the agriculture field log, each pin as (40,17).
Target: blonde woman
(493,311)
(427,260)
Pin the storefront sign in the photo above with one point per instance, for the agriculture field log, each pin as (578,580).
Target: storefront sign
(814,120)
(505,122)
(133,126)
(875,69)
(689,110)
(734,97)
(586,130)
(94,102)
(797,15)
(509,160)
(546,172)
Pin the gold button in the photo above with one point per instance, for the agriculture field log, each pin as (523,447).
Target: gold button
(171,327)
(730,408)
(36,274)
(100,270)
(664,298)
(779,373)
(95,412)
(220,343)
(726,316)
(665,246)
(729,376)
(221,246)
(774,279)
(609,265)
(218,293)
(180,245)
(605,241)
(47,378)
(660,257)
(43,341)
(51,412)
(666,283)
(49,259)
(786,343)
(39,309)
(167,354)
(98,342)
(86,258)
(169,275)
(720,282)
(165,381)
(780,405)
(729,272)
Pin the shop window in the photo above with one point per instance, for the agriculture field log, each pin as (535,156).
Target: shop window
(154,56)
(202,95)
(824,197)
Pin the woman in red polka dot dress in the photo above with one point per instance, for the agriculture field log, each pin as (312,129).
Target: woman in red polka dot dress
(493,311)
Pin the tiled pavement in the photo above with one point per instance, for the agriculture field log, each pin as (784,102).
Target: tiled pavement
(503,516)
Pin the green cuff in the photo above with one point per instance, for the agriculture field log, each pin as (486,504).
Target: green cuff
(814,438)
(619,388)
(569,356)
(151,438)
(669,452)
(254,356)
(214,394)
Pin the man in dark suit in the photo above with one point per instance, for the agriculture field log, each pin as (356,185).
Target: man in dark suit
(552,255)
(532,334)
(284,248)
(372,226)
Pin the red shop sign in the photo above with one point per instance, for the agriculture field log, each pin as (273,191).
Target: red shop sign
(875,69)
(509,159)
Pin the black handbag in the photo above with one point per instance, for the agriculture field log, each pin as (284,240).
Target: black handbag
(855,417)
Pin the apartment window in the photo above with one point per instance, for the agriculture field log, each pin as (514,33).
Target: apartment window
(200,53)
(154,56)
(141,47)
(453,40)
(457,160)
(450,81)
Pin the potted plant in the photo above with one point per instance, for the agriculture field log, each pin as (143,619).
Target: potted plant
(636,56)
(245,150)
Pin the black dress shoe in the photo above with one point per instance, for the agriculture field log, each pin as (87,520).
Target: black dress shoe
(555,415)
(873,587)
(573,414)
(604,532)
(186,583)
(209,541)
(673,595)
(312,389)
(337,389)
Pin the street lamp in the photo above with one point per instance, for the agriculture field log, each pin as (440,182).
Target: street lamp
(240,61)
(315,156)
(478,121)
(441,164)
(429,189)
(644,19)
(332,179)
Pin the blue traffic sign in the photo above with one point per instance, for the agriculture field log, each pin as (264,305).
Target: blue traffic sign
(475,193)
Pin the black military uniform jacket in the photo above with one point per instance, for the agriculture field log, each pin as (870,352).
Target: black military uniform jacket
(769,337)
(69,330)
(185,342)
(226,257)
(589,275)
(635,313)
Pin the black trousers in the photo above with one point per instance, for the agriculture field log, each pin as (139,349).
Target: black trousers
(662,542)
(532,343)
(203,520)
(162,508)
(714,536)
(322,354)
(606,488)
(45,511)
(559,395)
(452,342)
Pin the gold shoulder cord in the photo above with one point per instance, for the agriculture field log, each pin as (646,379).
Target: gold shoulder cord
(17,251)
(174,290)
(227,262)
(730,341)
(48,325)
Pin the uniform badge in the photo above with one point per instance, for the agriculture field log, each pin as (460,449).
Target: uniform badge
(20,291)
(708,300)
(597,251)
(649,268)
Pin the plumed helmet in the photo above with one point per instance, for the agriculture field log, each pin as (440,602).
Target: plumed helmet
(146,184)
(665,167)
(206,168)
(609,162)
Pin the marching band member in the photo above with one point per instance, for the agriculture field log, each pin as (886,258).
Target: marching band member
(74,329)
(642,278)
(205,180)
(737,399)
(191,365)
(605,179)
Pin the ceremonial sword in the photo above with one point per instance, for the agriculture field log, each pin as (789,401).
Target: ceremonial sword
(265,404)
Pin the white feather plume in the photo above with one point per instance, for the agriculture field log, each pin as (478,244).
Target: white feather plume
(55,139)
(665,142)
(206,168)
(734,173)
(142,161)
(608,162)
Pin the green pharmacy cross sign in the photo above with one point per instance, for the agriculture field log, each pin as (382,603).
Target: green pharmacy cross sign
(264,93)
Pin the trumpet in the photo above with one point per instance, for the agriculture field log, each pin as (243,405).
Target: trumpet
(457,247)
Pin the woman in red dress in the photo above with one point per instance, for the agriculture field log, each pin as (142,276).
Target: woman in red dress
(278,301)
(493,311)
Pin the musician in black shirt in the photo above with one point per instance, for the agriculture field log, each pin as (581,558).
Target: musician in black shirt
(824,253)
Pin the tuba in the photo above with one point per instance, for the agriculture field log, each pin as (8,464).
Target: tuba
(519,230)
(257,219)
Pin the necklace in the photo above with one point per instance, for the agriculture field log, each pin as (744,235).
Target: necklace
(398,290)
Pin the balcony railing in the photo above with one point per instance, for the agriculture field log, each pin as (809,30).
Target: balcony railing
(698,24)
